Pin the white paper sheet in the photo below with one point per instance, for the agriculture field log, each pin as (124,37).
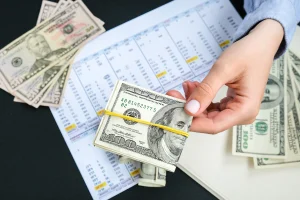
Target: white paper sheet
(159,50)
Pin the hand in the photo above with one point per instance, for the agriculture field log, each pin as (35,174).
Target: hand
(244,67)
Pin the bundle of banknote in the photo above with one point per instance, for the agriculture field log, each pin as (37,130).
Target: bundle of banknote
(273,139)
(158,149)
(35,67)
(150,175)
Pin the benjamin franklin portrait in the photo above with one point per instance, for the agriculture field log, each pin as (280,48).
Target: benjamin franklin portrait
(44,55)
(274,93)
(167,146)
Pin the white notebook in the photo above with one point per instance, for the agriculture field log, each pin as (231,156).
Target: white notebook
(209,161)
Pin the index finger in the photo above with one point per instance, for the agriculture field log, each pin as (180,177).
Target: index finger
(218,121)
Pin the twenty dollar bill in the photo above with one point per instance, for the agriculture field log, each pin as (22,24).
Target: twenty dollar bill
(46,44)
(46,10)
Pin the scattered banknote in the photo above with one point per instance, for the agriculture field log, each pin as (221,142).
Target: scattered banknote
(65,3)
(60,79)
(61,5)
(46,10)
(23,96)
(31,90)
(266,136)
(294,61)
(263,140)
(34,66)
(137,141)
(54,96)
(152,176)
(293,132)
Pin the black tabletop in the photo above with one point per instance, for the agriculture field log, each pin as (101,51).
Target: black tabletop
(35,161)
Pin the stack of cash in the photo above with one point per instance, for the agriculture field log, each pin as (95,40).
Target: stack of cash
(35,67)
(157,149)
(150,175)
(273,139)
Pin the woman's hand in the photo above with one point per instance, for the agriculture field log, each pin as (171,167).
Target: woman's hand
(244,67)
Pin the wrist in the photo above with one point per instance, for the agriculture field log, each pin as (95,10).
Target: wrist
(268,33)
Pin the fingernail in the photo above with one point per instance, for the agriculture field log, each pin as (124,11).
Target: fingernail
(185,88)
(193,106)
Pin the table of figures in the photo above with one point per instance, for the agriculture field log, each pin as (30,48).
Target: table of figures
(178,48)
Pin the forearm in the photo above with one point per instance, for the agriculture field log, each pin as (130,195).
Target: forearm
(269,33)
(282,11)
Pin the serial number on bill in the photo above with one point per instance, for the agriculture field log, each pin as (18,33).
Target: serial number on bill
(126,102)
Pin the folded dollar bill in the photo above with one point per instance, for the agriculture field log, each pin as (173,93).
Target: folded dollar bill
(152,176)
(144,143)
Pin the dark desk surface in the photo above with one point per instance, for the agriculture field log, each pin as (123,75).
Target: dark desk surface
(35,161)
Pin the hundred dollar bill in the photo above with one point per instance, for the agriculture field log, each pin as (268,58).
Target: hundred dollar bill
(152,176)
(294,45)
(266,136)
(295,76)
(295,68)
(46,10)
(267,163)
(293,133)
(291,101)
(124,159)
(140,142)
(40,48)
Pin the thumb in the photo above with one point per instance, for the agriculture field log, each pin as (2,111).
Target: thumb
(205,92)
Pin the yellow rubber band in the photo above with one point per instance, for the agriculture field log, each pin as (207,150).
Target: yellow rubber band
(173,130)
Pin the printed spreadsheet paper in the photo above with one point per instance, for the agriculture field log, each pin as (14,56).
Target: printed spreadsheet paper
(159,50)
